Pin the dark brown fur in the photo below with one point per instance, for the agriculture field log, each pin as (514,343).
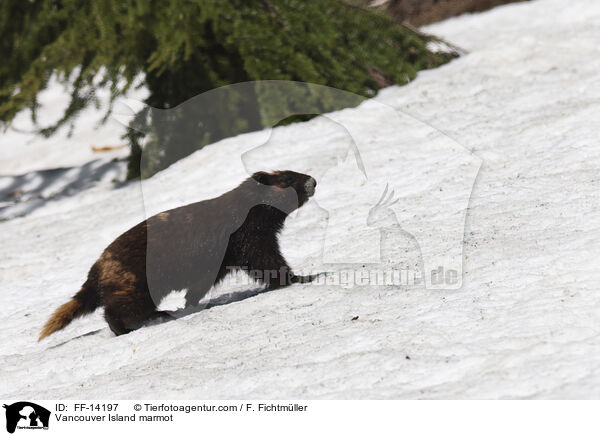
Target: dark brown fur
(191,247)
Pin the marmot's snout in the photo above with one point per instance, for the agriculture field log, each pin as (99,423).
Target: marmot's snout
(309,186)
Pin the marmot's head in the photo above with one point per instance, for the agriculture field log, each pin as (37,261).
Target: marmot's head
(288,189)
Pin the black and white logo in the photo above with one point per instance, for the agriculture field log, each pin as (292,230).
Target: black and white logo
(26,415)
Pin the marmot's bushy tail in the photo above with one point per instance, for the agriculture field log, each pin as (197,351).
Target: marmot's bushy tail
(84,302)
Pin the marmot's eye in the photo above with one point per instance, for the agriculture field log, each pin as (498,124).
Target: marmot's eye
(289,180)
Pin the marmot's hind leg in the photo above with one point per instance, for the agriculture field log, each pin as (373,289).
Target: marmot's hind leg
(116,324)
(118,327)
(127,306)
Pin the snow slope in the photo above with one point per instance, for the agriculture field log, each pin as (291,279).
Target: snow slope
(34,170)
(523,325)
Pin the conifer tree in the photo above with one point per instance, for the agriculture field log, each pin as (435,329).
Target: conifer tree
(186,47)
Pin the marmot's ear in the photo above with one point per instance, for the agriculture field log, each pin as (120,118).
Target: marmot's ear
(261,177)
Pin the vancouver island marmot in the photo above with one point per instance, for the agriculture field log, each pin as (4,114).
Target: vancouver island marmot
(191,247)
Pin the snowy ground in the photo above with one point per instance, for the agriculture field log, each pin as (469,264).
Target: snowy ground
(523,325)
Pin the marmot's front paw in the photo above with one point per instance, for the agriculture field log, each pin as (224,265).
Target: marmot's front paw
(308,279)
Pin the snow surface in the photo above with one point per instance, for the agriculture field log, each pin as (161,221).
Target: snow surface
(525,100)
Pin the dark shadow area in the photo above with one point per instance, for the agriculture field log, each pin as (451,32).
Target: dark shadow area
(92,333)
(27,192)
(222,300)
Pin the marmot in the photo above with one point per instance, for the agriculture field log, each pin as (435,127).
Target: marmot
(191,247)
